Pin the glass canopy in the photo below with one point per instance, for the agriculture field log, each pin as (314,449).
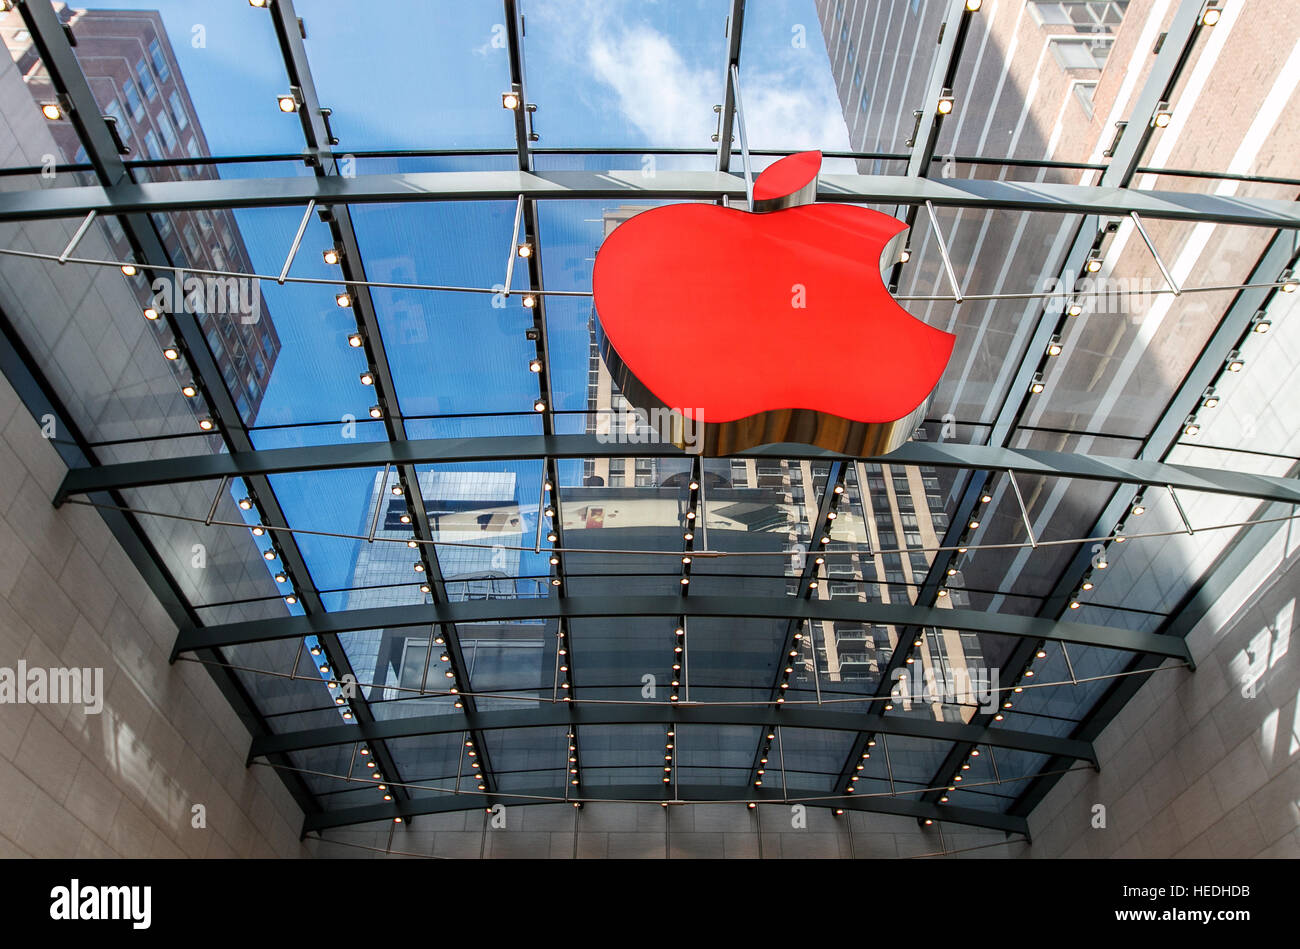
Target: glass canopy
(346,344)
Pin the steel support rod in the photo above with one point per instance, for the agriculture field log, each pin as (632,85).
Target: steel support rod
(744,140)
(541,510)
(1146,239)
(943,252)
(216,499)
(76,237)
(1173,496)
(514,245)
(379,503)
(297,241)
(1024,511)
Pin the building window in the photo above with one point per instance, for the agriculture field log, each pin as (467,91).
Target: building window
(165,126)
(151,146)
(159,61)
(1076,53)
(1086,16)
(146,81)
(178,110)
(1084,90)
(132,96)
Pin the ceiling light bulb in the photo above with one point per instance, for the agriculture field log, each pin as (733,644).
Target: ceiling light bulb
(343,300)
(1075,309)
(510,100)
(974,5)
(524,250)
(1211,16)
(367,379)
(1162,118)
(206,424)
(529,301)
(905,256)
(52,111)
(268,554)
(245,504)
(539,406)
(355,340)
(172,353)
(946,104)
(129,270)
(377,412)
(1093,264)
(287,103)
(330,255)
(189,390)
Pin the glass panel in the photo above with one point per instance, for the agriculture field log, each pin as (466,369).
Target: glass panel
(787,84)
(419,75)
(586,93)
(160,70)
(880,57)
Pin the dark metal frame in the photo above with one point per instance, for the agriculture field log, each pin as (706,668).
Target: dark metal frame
(117,194)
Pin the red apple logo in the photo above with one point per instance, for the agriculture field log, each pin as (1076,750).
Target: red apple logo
(766,327)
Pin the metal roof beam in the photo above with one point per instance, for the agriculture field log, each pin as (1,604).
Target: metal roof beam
(243,462)
(632,186)
(586,607)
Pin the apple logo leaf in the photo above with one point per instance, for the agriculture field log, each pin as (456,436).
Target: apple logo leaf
(748,329)
(788,182)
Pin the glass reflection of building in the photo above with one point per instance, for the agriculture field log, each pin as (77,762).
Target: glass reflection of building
(137,83)
(476,521)
(880,549)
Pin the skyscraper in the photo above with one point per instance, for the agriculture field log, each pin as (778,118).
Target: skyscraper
(133,72)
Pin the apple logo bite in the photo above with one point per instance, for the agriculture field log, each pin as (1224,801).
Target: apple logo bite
(766,327)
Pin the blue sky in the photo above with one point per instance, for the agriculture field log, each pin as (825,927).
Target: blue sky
(429,74)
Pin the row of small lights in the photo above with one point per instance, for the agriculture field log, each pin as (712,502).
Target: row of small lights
(1160,118)
(670,748)
(272,553)
(837,491)
(1260,325)
(859,766)
(688,535)
(963,540)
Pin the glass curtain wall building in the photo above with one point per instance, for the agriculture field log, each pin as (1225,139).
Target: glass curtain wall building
(313,307)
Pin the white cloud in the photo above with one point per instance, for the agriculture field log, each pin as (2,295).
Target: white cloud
(670,102)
